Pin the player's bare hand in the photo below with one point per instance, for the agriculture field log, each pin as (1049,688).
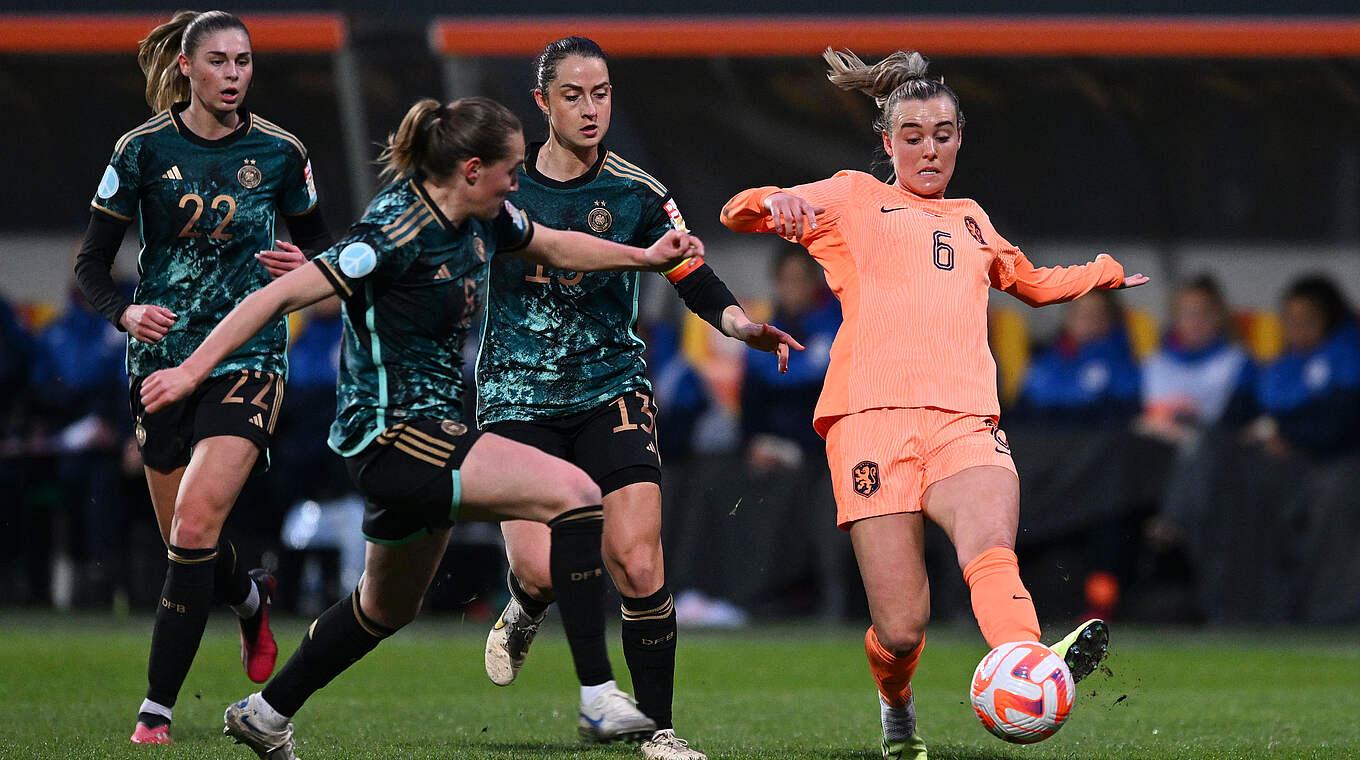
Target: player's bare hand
(791,216)
(1134,280)
(767,338)
(672,248)
(278,263)
(147,323)
(164,387)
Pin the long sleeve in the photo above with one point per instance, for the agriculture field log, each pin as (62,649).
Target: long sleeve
(1039,286)
(93,265)
(746,212)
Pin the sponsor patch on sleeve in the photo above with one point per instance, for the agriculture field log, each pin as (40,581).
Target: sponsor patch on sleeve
(311,185)
(673,211)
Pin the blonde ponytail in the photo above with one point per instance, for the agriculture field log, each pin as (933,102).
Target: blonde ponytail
(158,58)
(901,76)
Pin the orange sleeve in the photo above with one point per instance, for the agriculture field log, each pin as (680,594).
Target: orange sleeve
(1038,286)
(746,211)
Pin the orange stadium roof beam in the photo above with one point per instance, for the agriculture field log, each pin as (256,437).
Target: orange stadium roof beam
(981,36)
(119,33)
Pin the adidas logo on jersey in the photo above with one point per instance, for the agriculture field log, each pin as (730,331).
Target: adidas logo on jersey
(172,173)
(443,273)
(257,420)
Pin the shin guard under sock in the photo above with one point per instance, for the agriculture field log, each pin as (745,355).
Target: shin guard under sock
(891,672)
(649,648)
(578,581)
(336,640)
(181,617)
(1001,603)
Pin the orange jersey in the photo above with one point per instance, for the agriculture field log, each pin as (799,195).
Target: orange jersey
(912,275)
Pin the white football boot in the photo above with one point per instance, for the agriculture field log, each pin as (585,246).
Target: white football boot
(665,745)
(247,724)
(507,646)
(613,716)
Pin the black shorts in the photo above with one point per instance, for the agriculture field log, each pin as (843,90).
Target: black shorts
(615,443)
(243,403)
(409,478)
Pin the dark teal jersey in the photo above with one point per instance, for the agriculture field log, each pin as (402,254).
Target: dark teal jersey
(557,342)
(206,208)
(410,282)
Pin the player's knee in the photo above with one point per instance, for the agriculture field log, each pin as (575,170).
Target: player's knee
(392,613)
(194,528)
(576,489)
(535,578)
(637,569)
(900,638)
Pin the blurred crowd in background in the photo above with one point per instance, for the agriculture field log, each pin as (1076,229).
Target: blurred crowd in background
(1187,451)
(1199,465)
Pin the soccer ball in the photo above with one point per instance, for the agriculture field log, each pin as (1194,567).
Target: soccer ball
(1022,692)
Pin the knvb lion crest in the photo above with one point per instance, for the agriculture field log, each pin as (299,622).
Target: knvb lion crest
(974,229)
(865,478)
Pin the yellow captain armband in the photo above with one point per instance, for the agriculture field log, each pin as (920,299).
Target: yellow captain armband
(683,269)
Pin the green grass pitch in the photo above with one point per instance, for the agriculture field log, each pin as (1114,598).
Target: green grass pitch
(69,686)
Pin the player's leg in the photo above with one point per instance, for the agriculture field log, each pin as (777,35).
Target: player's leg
(206,493)
(504,479)
(527,545)
(530,577)
(979,509)
(890,552)
(877,479)
(388,597)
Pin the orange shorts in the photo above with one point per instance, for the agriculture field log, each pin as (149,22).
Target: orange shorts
(883,460)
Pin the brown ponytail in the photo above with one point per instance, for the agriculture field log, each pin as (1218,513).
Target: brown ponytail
(435,138)
(158,54)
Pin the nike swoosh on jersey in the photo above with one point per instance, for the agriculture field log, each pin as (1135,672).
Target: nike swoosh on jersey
(886,210)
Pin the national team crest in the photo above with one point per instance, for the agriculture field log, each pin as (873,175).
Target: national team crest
(249,176)
(141,434)
(974,229)
(453,428)
(865,478)
(599,219)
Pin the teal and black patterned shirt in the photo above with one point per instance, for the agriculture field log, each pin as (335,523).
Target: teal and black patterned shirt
(557,342)
(410,282)
(206,208)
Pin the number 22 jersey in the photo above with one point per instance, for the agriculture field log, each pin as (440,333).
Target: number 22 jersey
(205,208)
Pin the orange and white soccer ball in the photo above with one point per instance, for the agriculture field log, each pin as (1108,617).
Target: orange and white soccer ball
(1022,692)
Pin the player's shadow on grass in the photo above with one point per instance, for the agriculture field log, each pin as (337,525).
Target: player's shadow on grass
(936,750)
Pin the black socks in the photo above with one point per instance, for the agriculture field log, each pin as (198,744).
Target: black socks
(649,647)
(180,619)
(578,581)
(339,638)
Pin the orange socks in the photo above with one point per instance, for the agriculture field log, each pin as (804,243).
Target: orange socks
(1001,603)
(891,673)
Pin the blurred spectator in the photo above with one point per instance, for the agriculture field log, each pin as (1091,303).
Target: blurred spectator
(79,396)
(302,466)
(1200,375)
(16,350)
(1089,376)
(776,410)
(1310,396)
(682,398)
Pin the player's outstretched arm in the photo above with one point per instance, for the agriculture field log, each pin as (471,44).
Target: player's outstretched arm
(299,288)
(770,209)
(1039,286)
(579,252)
(759,335)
